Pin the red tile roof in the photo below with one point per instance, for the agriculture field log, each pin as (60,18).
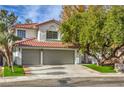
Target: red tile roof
(34,25)
(53,20)
(49,44)
(28,26)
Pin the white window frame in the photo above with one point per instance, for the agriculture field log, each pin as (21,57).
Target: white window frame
(21,35)
(52,36)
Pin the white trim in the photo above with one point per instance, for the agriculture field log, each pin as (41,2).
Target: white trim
(48,48)
(77,57)
(60,48)
(38,35)
(41,57)
(18,56)
(21,56)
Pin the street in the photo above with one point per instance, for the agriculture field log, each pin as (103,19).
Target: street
(66,82)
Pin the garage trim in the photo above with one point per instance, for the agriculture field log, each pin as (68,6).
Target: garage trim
(41,57)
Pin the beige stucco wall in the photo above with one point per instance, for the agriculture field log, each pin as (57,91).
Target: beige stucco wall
(30,33)
(48,27)
(40,34)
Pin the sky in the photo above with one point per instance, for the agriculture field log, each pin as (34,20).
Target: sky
(37,13)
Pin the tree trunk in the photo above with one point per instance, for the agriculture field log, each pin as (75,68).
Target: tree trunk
(9,58)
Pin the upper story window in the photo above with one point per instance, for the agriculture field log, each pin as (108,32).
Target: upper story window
(21,33)
(52,35)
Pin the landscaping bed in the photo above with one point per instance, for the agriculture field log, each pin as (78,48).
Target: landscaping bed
(18,71)
(102,69)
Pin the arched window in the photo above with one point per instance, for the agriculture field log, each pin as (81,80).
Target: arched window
(52,28)
(52,33)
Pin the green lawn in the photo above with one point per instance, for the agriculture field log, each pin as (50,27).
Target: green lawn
(19,71)
(0,73)
(103,69)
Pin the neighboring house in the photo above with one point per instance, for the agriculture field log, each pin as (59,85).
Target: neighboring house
(41,45)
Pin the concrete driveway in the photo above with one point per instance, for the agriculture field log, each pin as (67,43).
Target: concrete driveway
(60,71)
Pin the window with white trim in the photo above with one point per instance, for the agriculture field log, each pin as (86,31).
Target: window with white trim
(21,33)
(52,35)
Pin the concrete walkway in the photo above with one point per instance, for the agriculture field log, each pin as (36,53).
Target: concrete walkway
(60,72)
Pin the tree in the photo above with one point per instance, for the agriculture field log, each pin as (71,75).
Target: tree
(97,30)
(7,37)
(114,32)
(28,21)
(69,10)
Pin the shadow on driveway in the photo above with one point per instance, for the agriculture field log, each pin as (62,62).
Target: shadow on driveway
(57,68)
(50,73)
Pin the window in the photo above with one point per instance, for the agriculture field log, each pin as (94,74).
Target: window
(52,35)
(21,33)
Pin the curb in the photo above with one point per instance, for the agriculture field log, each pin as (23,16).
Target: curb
(27,71)
(91,70)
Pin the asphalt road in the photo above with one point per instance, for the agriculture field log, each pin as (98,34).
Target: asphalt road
(67,82)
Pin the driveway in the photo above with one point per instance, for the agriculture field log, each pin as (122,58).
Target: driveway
(51,71)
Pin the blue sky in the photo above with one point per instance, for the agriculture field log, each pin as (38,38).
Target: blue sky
(38,13)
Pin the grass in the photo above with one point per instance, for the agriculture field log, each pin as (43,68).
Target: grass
(102,69)
(0,73)
(18,71)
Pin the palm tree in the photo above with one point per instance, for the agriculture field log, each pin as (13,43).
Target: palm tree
(7,37)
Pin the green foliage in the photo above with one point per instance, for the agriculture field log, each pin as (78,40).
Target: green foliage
(71,29)
(114,25)
(7,22)
(103,69)
(19,71)
(7,36)
(69,10)
(97,30)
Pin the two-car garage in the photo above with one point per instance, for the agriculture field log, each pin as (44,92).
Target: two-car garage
(47,57)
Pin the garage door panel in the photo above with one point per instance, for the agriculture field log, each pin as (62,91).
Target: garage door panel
(58,57)
(30,57)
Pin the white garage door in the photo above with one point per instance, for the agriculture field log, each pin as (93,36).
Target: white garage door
(58,57)
(30,57)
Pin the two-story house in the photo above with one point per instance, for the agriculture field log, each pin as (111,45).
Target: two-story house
(41,45)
